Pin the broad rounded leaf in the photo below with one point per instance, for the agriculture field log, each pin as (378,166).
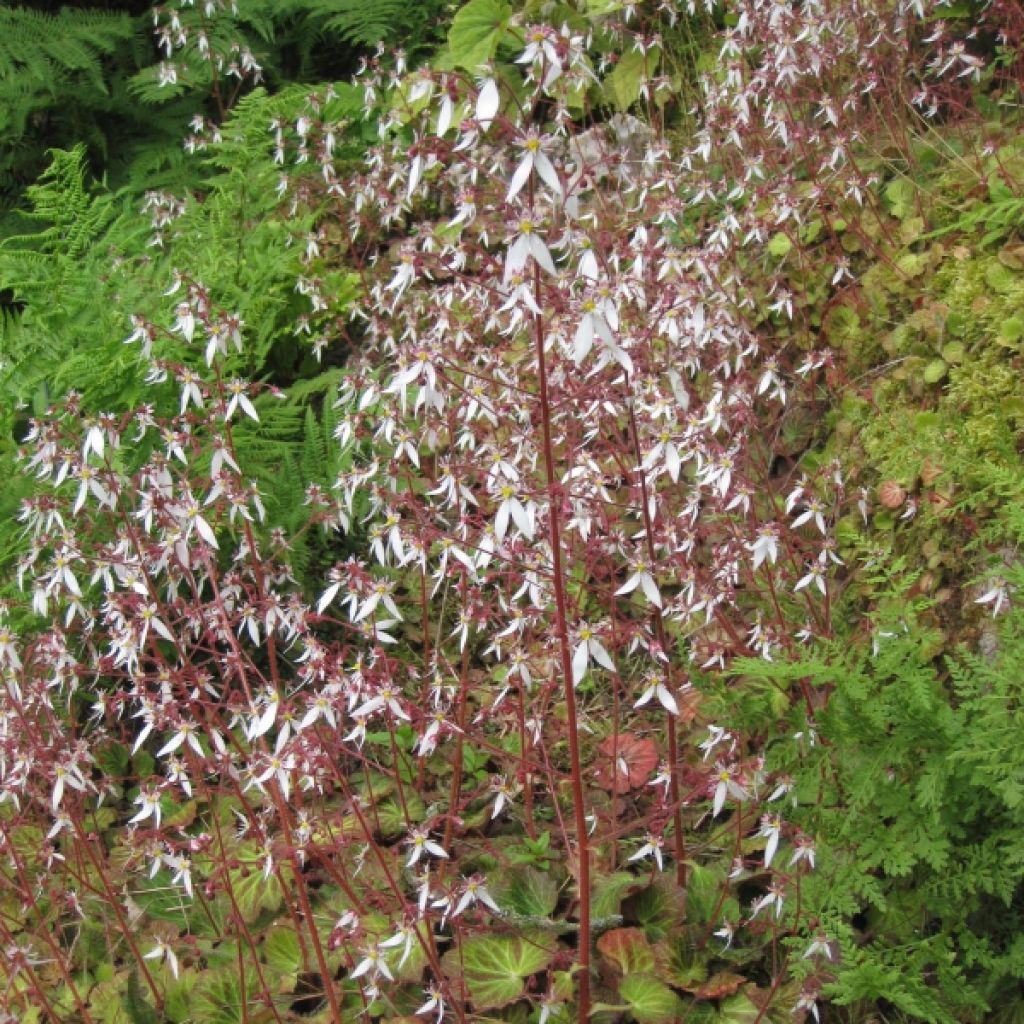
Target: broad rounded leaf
(608,892)
(740,1009)
(252,890)
(623,84)
(628,762)
(719,985)
(218,999)
(658,909)
(494,968)
(528,892)
(476,31)
(649,1001)
(281,950)
(628,949)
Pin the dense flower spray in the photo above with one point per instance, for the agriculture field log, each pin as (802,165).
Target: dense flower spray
(565,491)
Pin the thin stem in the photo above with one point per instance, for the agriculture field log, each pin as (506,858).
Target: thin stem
(562,630)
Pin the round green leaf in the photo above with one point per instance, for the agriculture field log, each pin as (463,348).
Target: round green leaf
(622,86)
(935,371)
(528,892)
(649,1001)
(476,31)
(494,968)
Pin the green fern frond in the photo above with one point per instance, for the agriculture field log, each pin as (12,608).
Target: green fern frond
(45,48)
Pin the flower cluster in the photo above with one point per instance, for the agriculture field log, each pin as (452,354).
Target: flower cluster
(565,502)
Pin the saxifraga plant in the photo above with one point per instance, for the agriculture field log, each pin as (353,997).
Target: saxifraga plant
(562,449)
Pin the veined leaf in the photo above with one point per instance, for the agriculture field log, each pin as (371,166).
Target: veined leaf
(628,949)
(623,84)
(528,892)
(494,968)
(649,1001)
(476,32)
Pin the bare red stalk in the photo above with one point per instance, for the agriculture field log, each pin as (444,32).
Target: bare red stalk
(678,839)
(554,497)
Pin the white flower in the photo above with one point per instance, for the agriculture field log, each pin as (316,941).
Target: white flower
(716,734)
(404,937)
(814,510)
(420,842)
(766,547)
(374,964)
(599,319)
(533,159)
(526,243)
(803,851)
(239,399)
(511,508)
(774,897)
(150,801)
(505,793)
(434,1004)
(386,697)
(771,829)
(185,733)
(808,1001)
(996,595)
(161,951)
(182,868)
(475,892)
(488,102)
(822,944)
(657,688)
(815,575)
(588,648)
(185,324)
(643,579)
(727,785)
(652,848)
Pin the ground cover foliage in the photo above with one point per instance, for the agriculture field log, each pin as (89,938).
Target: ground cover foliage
(530,533)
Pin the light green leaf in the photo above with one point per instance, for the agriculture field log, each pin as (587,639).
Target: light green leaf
(935,371)
(622,86)
(282,952)
(739,1009)
(253,892)
(494,969)
(223,997)
(899,194)
(476,31)
(649,1001)
(658,909)
(608,891)
(1000,279)
(780,244)
(178,1000)
(528,892)
(628,949)
(953,352)
(1012,328)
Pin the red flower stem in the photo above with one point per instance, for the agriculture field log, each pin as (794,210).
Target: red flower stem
(678,841)
(562,631)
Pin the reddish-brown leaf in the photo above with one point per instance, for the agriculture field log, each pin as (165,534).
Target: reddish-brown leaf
(627,762)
